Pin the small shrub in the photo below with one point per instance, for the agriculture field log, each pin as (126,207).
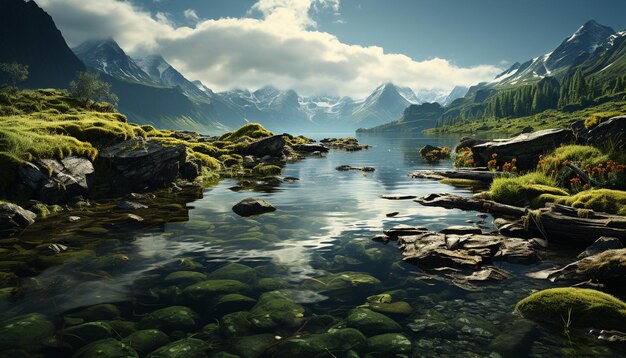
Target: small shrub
(597,118)
(464,158)
(435,154)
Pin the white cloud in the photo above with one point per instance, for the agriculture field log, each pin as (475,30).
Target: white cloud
(191,14)
(281,48)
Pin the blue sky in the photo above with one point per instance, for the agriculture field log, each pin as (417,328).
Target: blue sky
(338,47)
(466,32)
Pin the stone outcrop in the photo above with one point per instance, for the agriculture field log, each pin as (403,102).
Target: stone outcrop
(611,131)
(14,218)
(526,148)
(55,181)
(607,268)
(272,146)
(138,164)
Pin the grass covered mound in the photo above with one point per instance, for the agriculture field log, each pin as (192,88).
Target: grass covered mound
(522,190)
(604,200)
(574,307)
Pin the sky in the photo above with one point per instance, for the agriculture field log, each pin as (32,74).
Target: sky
(334,47)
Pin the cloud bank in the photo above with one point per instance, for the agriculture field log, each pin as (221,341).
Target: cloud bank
(282,47)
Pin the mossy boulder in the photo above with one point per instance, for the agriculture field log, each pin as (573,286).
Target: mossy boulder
(106,348)
(100,312)
(172,318)
(584,307)
(82,334)
(516,339)
(252,346)
(233,302)
(371,323)
(184,348)
(336,341)
(388,345)
(184,278)
(400,308)
(146,340)
(25,332)
(205,291)
(235,324)
(276,308)
(235,271)
(603,200)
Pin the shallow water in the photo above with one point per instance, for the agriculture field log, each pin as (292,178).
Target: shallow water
(323,225)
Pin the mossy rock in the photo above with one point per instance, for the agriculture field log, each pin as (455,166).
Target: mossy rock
(235,271)
(106,348)
(184,348)
(400,308)
(235,324)
(584,307)
(25,332)
(389,345)
(184,278)
(147,340)
(271,284)
(336,341)
(82,334)
(169,319)
(233,302)
(224,355)
(276,308)
(603,200)
(371,323)
(252,346)
(205,291)
(64,257)
(350,281)
(100,312)
(123,328)
(107,262)
(516,339)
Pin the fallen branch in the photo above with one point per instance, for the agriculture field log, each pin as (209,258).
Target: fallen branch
(583,175)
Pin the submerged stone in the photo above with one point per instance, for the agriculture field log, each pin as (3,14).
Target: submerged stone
(516,339)
(147,340)
(235,271)
(371,323)
(335,340)
(252,346)
(391,308)
(235,324)
(389,344)
(184,278)
(276,308)
(203,292)
(171,319)
(82,334)
(184,348)
(106,348)
(233,302)
(99,312)
(252,206)
(25,332)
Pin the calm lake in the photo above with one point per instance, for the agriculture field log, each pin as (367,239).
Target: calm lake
(322,228)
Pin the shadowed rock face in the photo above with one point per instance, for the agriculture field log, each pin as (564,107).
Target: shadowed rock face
(55,181)
(526,148)
(138,164)
(14,218)
(610,132)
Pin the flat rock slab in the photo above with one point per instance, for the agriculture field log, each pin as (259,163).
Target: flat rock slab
(405,230)
(252,206)
(461,230)
(349,167)
(398,197)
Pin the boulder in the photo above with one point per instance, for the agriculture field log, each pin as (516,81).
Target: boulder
(586,307)
(252,206)
(526,148)
(138,164)
(345,167)
(602,244)
(611,131)
(56,181)
(14,218)
(272,146)
(187,347)
(146,341)
(25,332)
(607,267)
(371,323)
(314,345)
(389,345)
(106,348)
(310,148)
(82,334)
(276,308)
(173,318)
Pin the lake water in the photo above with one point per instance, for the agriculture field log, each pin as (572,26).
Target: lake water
(322,228)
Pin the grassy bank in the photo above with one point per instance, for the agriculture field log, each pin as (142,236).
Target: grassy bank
(544,120)
(51,124)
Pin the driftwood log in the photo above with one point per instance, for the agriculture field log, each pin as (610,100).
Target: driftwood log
(556,223)
(451,201)
(473,174)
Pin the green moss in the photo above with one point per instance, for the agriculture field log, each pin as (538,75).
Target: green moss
(584,307)
(252,130)
(462,182)
(523,189)
(599,117)
(605,200)
(266,170)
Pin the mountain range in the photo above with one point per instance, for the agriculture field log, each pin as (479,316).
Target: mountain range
(591,61)
(151,91)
